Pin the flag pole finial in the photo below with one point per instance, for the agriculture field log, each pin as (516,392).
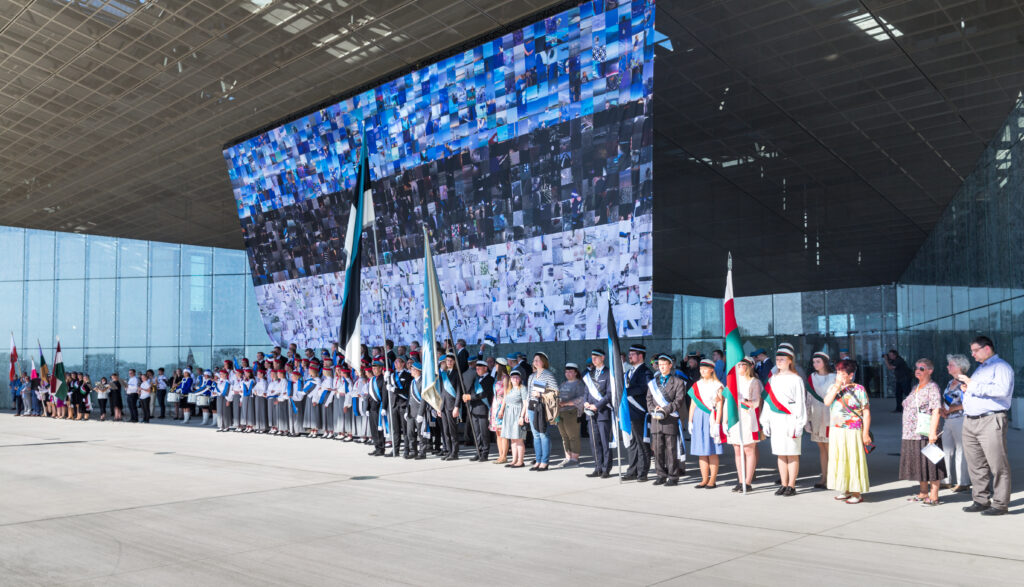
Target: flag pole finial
(730,261)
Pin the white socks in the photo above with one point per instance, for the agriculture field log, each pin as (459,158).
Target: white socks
(188,415)
(206,416)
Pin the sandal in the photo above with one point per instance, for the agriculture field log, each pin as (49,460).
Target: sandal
(854,500)
(916,498)
(929,502)
(842,497)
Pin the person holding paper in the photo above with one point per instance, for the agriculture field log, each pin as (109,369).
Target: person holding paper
(705,422)
(921,413)
(850,420)
(666,395)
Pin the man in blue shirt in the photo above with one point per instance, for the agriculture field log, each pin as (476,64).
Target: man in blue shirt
(986,401)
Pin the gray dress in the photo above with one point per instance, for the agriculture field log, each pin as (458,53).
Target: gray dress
(515,400)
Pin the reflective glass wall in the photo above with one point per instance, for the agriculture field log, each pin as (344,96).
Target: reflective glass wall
(861,320)
(120,303)
(968,277)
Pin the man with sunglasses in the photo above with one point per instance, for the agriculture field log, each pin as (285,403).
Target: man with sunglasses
(987,395)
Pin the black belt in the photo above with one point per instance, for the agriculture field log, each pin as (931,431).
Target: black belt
(987,414)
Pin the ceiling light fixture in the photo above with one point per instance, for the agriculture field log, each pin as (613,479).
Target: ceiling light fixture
(874,27)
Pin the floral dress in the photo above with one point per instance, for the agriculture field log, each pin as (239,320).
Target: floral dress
(847,460)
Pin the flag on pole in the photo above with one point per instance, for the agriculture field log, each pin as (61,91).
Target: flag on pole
(433,309)
(617,379)
(733,354)
(14,358)
(58,385)
(44,371)
(360,217)
(34,374)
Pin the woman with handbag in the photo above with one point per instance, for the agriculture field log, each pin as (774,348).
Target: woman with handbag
(849,434)
(921,413)
(541,383)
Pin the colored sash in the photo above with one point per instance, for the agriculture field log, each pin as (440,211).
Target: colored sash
(447,384)
(591,387)
(225,390)
(479,392)
(291,390)
(659,397)
(375,388)
(773,402)
(694,394)
(247,388)
(810,390)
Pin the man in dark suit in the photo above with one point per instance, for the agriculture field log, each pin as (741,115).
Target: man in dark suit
(763,365)
(450,378)
(636,396)
(401,384)
(598,407)
(478,398)
(666,400)
(462,355)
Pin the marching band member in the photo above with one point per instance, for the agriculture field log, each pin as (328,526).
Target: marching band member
(705,423)
(205,398)
(342,385)
(818,414)
(186,402)
(325,392)
(282,405)
(598,409)
(785,418)
(749,390)
(666,396)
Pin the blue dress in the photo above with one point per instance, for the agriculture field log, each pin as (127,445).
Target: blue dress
(701,443)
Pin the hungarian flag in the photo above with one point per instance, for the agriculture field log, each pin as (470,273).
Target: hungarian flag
(14,358)
(617,380)
(733,354)
(44,371)
(433,310)
(58,385)
(360,217)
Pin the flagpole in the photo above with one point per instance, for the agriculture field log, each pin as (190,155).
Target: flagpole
(739,410)
(615,402)
(462,386)
(380,307)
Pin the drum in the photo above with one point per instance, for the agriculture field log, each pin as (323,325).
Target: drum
(203,400)
(192,397)
(173,397)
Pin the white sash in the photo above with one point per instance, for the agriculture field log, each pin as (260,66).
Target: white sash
(659,397)
(591,387)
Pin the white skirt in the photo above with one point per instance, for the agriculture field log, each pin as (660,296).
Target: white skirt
(785,446)
(817,420)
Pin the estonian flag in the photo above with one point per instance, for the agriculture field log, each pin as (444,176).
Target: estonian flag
(433,309)
(617,380)
(360,217)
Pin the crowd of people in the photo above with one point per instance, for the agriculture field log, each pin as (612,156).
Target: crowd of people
(673,411)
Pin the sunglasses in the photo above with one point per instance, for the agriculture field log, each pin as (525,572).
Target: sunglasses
(920,368)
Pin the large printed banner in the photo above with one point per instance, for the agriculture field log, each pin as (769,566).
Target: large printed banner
(529,160)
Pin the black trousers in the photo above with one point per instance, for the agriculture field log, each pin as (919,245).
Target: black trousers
(398,423)
(666,456)
(161,400)
(602,436)
(133,406)
(103,407)
(436,435)
(451,432)
(19,404)
(902,390)
(639,451)
(375,432)
(144,406)
(414,443)
(483,436)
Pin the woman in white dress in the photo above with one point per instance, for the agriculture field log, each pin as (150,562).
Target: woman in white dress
(784,419)
(749,390)
(818,414)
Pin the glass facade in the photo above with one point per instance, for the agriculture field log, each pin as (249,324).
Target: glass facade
(120,303)
(968,279)
(861,320)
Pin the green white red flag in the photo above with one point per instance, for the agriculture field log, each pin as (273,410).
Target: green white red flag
(733,354)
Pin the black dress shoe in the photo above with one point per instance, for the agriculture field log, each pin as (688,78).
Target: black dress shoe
(737,488)
(483,459)
(781,490)
(993,512)
(453,457)
(672,483)
(446,457)
(474,458)
(535,467)
(642,479)
(389,455)
(659,481)
(374,453)
(605,475)
(420,457)
(975,508)
(407,456)
(628,477)
(790,492)
(594,474)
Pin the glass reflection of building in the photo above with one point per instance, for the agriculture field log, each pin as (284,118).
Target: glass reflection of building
(119,303)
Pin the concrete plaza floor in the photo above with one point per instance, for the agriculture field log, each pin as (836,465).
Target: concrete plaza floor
(90,503)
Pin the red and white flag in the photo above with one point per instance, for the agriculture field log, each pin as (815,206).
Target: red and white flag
(14,358)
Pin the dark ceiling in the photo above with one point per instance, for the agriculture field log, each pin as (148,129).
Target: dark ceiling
(818,140)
